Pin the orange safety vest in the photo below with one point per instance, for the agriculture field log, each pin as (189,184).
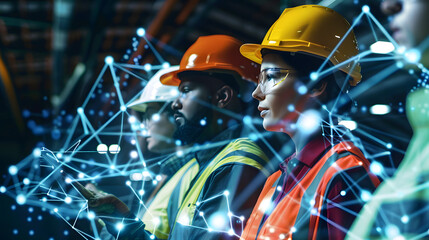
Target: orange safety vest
(305,200)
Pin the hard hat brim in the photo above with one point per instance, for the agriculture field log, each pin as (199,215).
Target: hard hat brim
(172,79)
(253,52)
(138,106)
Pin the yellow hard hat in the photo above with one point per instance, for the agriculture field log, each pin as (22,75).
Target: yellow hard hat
(312,29)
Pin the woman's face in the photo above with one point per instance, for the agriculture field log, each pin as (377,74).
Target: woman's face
(410,23)
(280,103)
(160,129)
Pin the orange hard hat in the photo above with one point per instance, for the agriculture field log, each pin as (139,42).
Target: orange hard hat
(216,53)
(311,29)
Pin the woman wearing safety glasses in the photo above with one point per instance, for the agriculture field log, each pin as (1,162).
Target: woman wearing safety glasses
(306,65)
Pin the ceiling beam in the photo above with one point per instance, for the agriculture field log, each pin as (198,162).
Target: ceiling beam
(11,95)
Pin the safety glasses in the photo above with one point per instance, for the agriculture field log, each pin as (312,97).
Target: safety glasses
(271,77)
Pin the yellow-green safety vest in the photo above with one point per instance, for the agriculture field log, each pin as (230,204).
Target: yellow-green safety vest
(156,217)
(242,151)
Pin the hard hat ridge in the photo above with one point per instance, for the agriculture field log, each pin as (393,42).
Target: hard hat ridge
(214,53)
(155,91)
(311,29)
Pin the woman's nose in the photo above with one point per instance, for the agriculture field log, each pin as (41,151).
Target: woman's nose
(257,93)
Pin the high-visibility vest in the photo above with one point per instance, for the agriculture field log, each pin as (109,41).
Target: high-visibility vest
(305,200)
(239,151)
(157,215)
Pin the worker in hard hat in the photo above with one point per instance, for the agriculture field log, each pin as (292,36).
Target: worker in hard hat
(154,108)
(154,112)
(319,190)
(208,116)
(399,207)
(209,110)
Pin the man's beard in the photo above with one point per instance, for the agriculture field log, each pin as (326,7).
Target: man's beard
(191,131)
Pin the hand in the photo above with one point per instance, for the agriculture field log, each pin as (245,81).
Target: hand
(111,209)
(107,205)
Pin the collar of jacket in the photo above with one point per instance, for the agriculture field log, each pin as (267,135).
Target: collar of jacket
(312,151)
(173,163)
(205,152)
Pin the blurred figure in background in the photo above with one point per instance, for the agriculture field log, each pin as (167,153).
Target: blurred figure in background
(400,207)
(155,113)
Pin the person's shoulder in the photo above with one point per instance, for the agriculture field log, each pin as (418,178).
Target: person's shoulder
(245,144)
(355,179)
(237,171)
(243,141)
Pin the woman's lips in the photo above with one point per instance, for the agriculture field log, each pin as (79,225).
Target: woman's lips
(264,112)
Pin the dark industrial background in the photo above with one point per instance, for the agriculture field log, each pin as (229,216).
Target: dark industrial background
(51,52)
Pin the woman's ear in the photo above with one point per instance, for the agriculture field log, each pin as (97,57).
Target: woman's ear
(319,89)
(224,96)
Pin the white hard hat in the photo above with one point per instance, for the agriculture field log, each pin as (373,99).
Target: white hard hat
(155,91)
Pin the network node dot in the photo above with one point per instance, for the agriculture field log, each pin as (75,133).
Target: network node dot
(147,67)
(91,215)
(141,32)
(26,181)
(165,65)
(314,76)
(68,200)
(21,199)
(247,120)
(13,170)
(108,60)
(119,226)
(37,152)
(412,56)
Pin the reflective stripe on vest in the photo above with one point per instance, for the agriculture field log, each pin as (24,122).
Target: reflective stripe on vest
(163,203)
(305,200)
(179,192)
(242,151)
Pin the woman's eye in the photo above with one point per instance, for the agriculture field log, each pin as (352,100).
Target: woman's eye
(273,76)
